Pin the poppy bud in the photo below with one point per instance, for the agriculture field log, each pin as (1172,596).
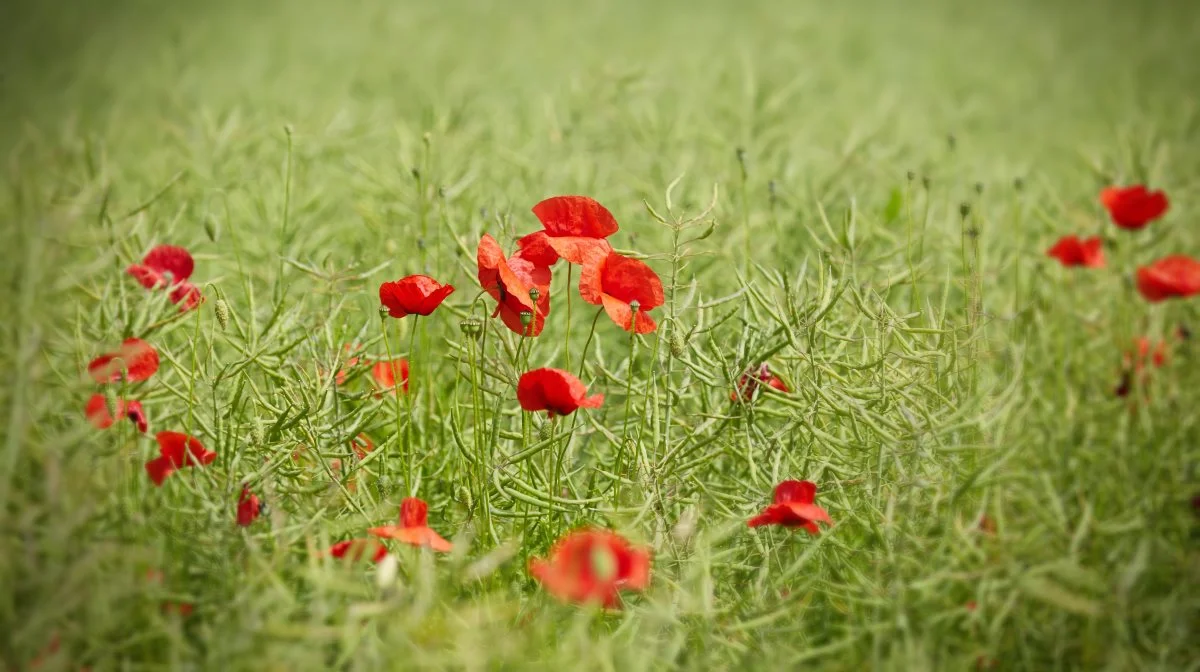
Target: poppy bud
(384,313)
(979,187)
(951,141)
(471,327)
(964,209)
(676,345)
(526,318)
(464,496)
(442,192)
(416,173)
(211,229)
(634,305)
(534,294)
(426,137)
(545,431)
(912,175)
(222,310)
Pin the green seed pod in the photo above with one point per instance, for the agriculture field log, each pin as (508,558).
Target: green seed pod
(472,327)
(634,305)
(258,434)
(545,432)
(211,229)
(534,294)
(222,310)
(677,345)
(526,318)
(383,313)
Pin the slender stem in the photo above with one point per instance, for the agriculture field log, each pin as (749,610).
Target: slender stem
(409,453)
(287,206)
(567,338)
(619,467)
(387,344)
(588,343)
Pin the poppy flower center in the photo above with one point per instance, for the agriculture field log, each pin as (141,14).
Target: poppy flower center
(604,564)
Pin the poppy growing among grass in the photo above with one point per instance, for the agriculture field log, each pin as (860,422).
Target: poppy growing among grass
(574,228)
(248,507)
(1174,276)
(617,282)
(592,566)
(793,507)
(136,359)
(555,391)
(1133,207)
(357,549)
(384,374)
(510,282)
(413,295)
(177,450)
(169,266)
(1075,251)
(98,414)
(362,445)
(749,382)
(413,527)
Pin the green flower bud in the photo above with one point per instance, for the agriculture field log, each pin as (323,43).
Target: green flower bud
(222,310)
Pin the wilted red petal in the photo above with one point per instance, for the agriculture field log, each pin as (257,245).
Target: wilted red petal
(575,216)
(248,508)
(1174,276)
(793,507)
(555,391)
(1133,207)
(170,259)
(414,536)
(97,411)
(384,374)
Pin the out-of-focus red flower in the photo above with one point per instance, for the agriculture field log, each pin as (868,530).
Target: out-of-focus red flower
(574,228)
(414,527)
(592,566)
(1175,276)
(1076,251)
(793,507)
(186,295)
(181,609)
(362,445)
(177,450)
(384,374)
(1133,207)
(749,382)
(248,507)
(352,361)
(357,549)
(137,415)
(169,266)
(413,295)
(510,282)
(616,282)
(555,391)
(98,414)
(1143,353)
(137,359)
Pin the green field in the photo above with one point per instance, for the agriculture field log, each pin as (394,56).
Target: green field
(860,194)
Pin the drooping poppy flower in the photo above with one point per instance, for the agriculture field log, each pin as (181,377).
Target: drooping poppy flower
(177,450)
(413,527)
(749,382)
(592,566)
(555,391)
(357,549)
(1175,276)
(169,266)
(248,507)
(362,445)
(512,282)
(413,295)
(793,507)
(616,282)
(137,359)
(1133,207)
(98,414)
(1075,251)
(574,228)
(384,374)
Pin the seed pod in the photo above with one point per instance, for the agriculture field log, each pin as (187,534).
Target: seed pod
(222,310)
(964,209)
(534,294)
(383,313)
(211,229)
(545,432)
(471,327)
(677,345)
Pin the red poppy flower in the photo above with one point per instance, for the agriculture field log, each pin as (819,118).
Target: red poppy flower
(362,445)
(615,282)
(413,295)
(1076,251)
(749,382)
(97,413)
(413,528)
(136,358)
(510,281)
(384,374)
(793,507)
(186,295)
(356,549)
(1133,207)
(575,229)
(1175,276)
(177,450)
(555,391)
(162,266)
(592,566)
(1142,354)
(352,361)
(248,507)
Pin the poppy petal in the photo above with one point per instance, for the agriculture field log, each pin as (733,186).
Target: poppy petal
(578,249)
(536,248)
(97,411)
(804,492)
(414,512)
(575,216)
(137,415)
(147,277)
(170,259)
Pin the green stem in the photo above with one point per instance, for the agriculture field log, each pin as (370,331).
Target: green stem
(387,344)
(409,453)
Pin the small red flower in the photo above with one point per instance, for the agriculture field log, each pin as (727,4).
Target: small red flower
(136,358)
(187,296)
(177,450)
(575,229)
(169,266)
(362,445)
(356,549)
(510,282)
(1143,353)
(413,528)
(749,382)
(555,391)
(384,374)
(413,295)
(248,507)
(1175,276)
(592,566)
(616,282)
(793,507)
(1133,207)
(1076,251)
(98,414)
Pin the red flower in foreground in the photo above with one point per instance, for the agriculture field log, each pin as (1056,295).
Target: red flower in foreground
(1076,251)
(98,414)
(575,229)
(511,282)
(384,374)
(793,507)
(555,391)
(1175,276)
(616,282)
(749,382)
(248,507)
(1133,207)
(413,528)
(169,266)
(592,566)
(356,549)
(413,295)
(177,450)
(136,358)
